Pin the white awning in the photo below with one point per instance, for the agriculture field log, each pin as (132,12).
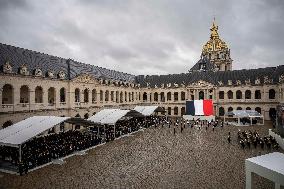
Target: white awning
(111,116)
(24,130)
(147,110)
(244,113)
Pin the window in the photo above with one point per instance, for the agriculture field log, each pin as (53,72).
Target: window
(24,94)
(51,95)
(169,111)
(156,97)
(125,96)
(117,97)
(112,96)
(182,95)
(162,96)
(257,94)
(248,94)
(94,95)
(175,110)
(62,95)
(169,96)
(144,96)
(182,111)
(38,94)
(230,94)
(77,95)
(271,94)
(258,109)
(221,94)
(86,95)
(239,94)
(175,96)
(221,111)
(107,96)
(121,97)
(101,95)
(201,95)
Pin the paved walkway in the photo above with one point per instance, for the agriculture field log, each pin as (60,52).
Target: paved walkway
(154,158)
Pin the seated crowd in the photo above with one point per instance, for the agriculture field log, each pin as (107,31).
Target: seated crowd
(43,149)
(249,138)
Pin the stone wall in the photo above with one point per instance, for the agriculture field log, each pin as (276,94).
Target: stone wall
(83,96)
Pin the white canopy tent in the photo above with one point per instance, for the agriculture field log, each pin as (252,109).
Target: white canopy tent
(239,114)
(24,130)
(148,110)
(111,116)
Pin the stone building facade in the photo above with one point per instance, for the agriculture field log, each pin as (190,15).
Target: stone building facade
(34,83)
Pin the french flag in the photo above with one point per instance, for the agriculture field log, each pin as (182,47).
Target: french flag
(199,107)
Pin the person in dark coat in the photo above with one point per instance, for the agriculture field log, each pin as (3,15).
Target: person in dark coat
(21,168)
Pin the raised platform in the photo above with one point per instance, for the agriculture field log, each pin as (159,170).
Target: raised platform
(270,166)
(190,117)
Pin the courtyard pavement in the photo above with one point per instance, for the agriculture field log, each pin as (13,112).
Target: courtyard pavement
(153,158)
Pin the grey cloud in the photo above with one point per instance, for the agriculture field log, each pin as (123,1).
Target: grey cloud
(6,5)
(145,37)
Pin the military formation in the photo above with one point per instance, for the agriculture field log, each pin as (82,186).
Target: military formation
(249,139)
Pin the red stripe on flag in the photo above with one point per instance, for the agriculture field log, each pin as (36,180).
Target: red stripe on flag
(208,107)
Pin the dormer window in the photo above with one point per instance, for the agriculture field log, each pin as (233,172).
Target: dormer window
(24,70)
(7,68)
(38,72)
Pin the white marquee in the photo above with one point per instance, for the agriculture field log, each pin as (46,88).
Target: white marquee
(24,130)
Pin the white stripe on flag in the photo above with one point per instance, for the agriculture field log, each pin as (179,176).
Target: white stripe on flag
(198,105)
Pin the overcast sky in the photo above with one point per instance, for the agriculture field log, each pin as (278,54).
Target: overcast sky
(145,36)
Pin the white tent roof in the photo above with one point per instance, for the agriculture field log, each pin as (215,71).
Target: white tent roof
(24,130)
(244,113)
(146,110)
(110,116)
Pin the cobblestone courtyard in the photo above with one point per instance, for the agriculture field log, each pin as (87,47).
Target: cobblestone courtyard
(153,158)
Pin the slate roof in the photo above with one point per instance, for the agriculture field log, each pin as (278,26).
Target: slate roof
(19,56)
(203,64)
(272,73)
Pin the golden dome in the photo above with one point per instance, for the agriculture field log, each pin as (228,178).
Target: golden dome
(214,43)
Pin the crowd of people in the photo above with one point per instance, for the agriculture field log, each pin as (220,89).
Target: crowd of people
(247,139)
(43,149)
(181,124)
